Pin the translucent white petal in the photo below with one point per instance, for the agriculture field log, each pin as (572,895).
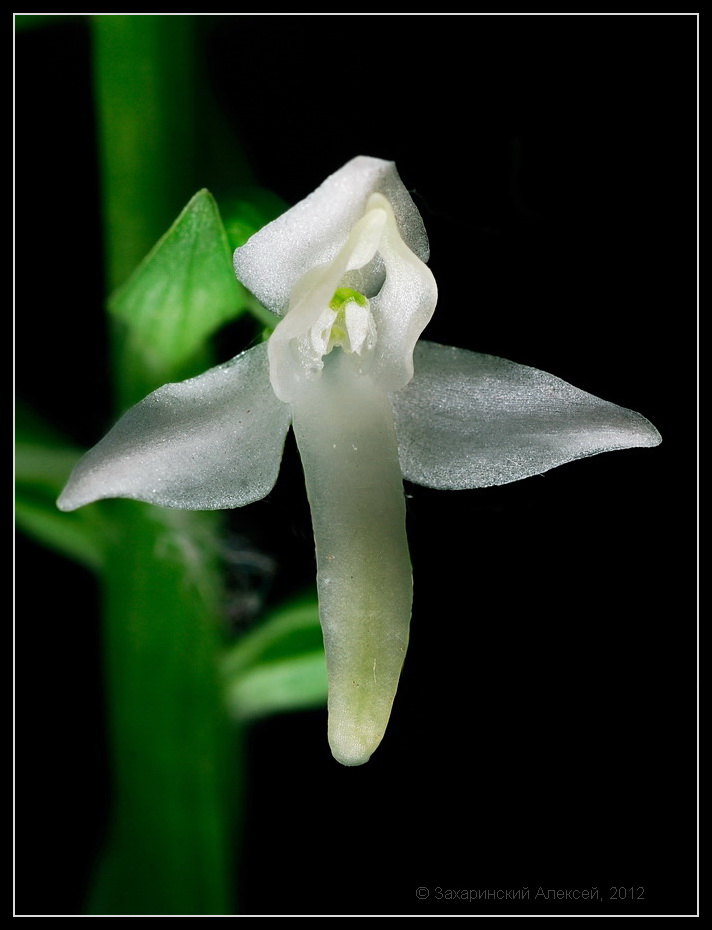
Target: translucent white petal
(208,443)
(467,420)
(344,428)
(402,308)
(314,231)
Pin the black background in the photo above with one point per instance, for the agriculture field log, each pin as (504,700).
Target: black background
(544,730)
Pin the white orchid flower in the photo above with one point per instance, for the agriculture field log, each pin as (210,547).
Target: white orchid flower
(345,270)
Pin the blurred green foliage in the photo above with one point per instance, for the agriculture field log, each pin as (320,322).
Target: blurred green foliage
(179,689)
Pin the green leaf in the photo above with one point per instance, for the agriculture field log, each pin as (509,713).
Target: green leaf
(183,291)
(76,536)
(292,684)
(43,462)
(280,666)
(247,210)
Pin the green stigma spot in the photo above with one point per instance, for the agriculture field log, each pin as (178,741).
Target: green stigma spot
(346,295)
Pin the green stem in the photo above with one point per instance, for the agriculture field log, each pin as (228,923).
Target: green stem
(168,851)
(169,848)
(144,80)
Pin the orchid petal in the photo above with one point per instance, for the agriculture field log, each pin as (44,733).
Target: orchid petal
(403,306)
(468,420)
(208,443)
(347,442)
(314,231)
